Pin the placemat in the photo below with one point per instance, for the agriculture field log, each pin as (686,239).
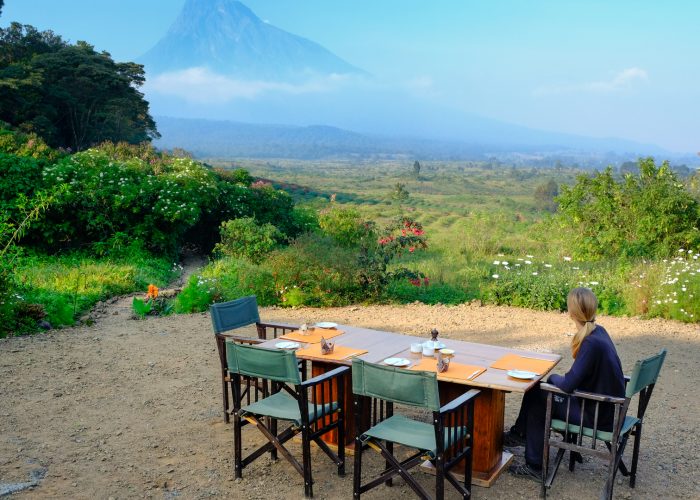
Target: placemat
(518,362)
(457,372)
(339,353)
(313,335)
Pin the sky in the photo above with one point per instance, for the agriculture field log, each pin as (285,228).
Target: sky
(627,69)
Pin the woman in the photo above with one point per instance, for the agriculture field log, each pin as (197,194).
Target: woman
(596,368)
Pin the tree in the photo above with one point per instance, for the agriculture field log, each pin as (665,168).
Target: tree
(70,95)
(416,168)
(1,2)
(400,193)
(545,194)
(650,214)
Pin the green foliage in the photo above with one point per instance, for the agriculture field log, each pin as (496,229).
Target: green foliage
(141,307)
(345,225)
(545,194)
(316,270)
(678,291)
(66,286)
(196,296)
(26,145)
(650,214)
(70,95)
(152,306)
(400,194)
(246,238)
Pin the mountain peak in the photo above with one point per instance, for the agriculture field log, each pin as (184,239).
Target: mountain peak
(227,37)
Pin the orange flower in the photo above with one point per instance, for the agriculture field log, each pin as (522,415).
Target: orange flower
(152,292)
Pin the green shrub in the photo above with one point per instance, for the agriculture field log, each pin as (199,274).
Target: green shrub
(245,238)
(196,296)
(651,214)
(345,225)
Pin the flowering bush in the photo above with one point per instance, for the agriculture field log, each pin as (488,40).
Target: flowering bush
(678,294)
(402,237)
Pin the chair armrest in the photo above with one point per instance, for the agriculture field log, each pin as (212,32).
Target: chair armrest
(552,388)
(627,379)
(459,402)
(326,376)
(599,397)
(603,398)
(281,326)
(243,340)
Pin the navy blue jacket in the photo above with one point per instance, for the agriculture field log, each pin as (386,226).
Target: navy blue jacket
(597,368)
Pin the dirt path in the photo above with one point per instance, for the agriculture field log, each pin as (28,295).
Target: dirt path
(130,409)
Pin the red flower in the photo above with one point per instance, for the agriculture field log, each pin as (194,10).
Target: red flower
(415,281)
(426,281)
(418,232)
(411,249)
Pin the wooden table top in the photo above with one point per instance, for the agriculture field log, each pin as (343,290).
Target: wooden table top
(381,345)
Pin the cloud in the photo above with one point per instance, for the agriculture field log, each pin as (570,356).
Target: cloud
(202,85)
(621,81)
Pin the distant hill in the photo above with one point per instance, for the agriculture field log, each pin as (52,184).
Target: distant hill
(228,38)
(228,139)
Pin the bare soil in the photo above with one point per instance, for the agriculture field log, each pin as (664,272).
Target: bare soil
(129,409)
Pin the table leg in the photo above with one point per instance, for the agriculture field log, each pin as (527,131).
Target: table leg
(319,368)
(489,459)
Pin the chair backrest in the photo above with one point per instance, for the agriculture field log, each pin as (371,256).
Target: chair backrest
(234,314)
(645,373)
(252,361)
(414,388)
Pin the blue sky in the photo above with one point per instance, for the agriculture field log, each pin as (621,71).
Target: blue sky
(619,68)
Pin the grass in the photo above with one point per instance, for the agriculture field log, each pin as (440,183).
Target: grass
(69,285)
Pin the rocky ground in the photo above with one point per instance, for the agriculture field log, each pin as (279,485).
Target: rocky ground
(127,409)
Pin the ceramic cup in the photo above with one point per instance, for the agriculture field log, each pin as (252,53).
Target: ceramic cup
(428,350)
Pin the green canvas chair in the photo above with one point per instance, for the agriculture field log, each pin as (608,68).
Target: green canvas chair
(579,439)
(311,408)
(229,316)
(446,442)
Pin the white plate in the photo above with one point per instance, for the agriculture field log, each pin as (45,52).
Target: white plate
(287,344)
(521,374)
(397,361)
(326,324)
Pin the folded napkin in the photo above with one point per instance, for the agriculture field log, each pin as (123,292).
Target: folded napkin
(313,335)
(518,362)
(339,353)
(456,372)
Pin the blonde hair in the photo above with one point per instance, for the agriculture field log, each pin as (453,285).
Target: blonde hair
(582,304)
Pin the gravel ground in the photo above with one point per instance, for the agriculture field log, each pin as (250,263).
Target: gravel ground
(130,409)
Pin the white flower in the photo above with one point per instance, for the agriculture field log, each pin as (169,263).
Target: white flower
(505,262)
(496,262)
(495,276)
(548,265)
(681,250)
(594,282)
(575,268)
(528,262)
(567,259)
(535,273)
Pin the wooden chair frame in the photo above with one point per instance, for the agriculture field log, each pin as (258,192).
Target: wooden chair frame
(263,329)
(452,448)
(323,388)
(577,443)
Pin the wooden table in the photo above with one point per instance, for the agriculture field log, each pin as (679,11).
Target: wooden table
(489,459)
